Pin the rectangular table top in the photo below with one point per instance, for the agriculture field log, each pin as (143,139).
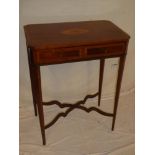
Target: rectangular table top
(70,34)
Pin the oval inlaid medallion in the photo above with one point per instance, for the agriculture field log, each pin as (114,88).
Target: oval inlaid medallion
(75,31)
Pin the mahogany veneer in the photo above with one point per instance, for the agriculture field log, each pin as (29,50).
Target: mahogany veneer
(72,42)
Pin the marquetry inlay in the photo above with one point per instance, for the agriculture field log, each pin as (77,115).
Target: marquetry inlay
(74,31)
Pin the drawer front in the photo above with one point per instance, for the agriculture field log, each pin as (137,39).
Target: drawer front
(56,55)
(109,50)
(76,54)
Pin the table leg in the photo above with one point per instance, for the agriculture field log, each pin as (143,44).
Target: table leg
(37,78)
(31,69)
(102,61)
(118,86)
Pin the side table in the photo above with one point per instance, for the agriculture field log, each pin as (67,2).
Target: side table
(56,43)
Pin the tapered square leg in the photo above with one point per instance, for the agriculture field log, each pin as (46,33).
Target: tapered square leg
(118,86)
(31,69)
(37,93)
(102,62)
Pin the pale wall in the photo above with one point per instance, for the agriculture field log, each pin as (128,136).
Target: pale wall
(71,82)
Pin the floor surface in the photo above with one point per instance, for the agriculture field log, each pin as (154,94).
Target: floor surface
(80,133)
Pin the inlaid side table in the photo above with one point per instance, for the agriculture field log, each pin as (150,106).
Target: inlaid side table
(57,43)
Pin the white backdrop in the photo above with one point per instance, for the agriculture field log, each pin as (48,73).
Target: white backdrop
(71,82)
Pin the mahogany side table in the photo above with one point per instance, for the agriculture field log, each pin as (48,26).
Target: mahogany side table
(68,42)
